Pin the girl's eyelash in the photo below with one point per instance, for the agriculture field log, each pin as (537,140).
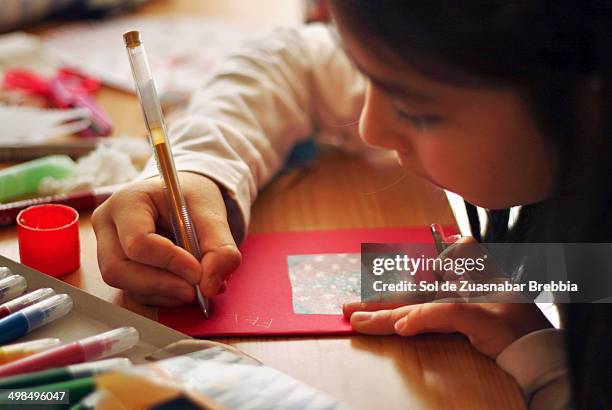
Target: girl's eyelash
(419,121)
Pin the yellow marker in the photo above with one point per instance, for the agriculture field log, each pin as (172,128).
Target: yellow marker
(16,351)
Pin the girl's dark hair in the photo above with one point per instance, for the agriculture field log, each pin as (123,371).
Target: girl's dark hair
(558,55)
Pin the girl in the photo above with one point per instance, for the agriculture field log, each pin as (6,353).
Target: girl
(504,103)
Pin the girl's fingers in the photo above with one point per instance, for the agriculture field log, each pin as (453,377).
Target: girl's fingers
(414,319)
(438,318)
(349,308)
(217,266)
(140,243)
(120,272)
(157,300)
(221,256)
(381,322)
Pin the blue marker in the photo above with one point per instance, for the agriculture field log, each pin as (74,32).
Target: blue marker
(35,316)
(11,287)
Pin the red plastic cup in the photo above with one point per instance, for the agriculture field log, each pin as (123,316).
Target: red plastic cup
(49,238)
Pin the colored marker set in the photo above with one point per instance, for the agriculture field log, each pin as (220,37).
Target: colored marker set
(85,350)
(47,364)
(20,315)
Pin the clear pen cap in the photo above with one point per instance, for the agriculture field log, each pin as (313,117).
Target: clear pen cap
(47,310)
(11,287)
(34,346)
(28,299)
(5,272)
(110,343)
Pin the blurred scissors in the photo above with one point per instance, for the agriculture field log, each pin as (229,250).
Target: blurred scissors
(66,89)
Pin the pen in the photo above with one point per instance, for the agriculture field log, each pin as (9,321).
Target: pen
(88,349)
(19,323)
(438,237)
(184,231)
(75,371)
(24,301)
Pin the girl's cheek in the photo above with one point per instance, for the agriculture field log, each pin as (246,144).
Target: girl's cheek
(443,164)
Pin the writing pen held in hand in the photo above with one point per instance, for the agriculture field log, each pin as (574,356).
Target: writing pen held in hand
(184,231)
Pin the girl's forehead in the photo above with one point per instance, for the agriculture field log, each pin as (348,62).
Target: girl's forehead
(399,78)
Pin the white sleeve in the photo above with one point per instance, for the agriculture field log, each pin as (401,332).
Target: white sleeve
(275,92)
(538,363)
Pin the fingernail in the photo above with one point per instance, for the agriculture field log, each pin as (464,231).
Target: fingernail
(361,316)
(400,325)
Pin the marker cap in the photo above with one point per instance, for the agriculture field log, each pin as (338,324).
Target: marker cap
(28,299)
(110,343)
(12,287)
(48,237)
(5,272)
(47,310)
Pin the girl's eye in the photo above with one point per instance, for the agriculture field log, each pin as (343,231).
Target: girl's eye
(419,121)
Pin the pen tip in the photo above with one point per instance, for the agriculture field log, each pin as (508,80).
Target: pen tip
(203,302)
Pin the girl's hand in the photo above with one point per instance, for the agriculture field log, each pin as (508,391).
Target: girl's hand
(490,327)
(134,256)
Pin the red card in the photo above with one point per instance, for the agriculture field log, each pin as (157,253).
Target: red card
(258,300)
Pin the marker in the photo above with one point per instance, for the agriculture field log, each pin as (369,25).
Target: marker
(75,389)
(5,272)
(63,374)
(91,348)
(80,200)
(24,301)
(19,323)
(10,353)
(11,287)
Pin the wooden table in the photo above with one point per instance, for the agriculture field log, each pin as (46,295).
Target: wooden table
(341,191)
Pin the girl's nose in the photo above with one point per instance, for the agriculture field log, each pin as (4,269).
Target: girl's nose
(377,123)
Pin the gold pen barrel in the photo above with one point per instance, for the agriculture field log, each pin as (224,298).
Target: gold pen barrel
(184,231)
